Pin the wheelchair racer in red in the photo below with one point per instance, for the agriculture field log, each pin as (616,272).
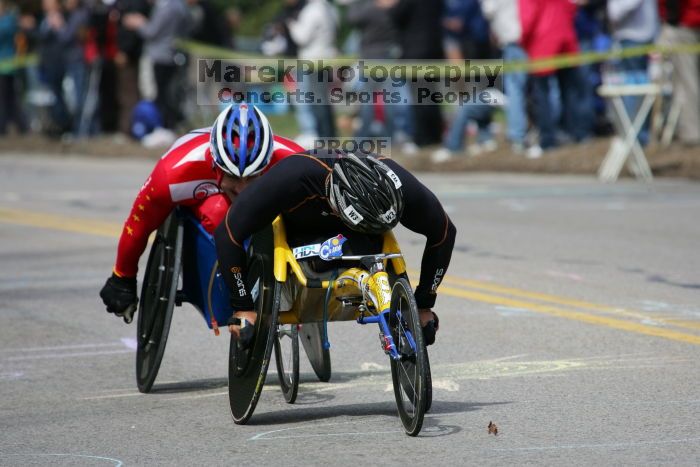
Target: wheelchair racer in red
(204,170)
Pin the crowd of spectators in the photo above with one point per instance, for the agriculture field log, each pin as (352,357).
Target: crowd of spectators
(99,60)
(543,109)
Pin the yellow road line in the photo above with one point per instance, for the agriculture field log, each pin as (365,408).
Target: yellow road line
(551,299)
(688,324)
(574,315)
(500,289)
(54,222)
(684,324)
(544,297)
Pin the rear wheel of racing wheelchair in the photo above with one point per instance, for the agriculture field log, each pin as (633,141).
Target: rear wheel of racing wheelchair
(311,335)
(247,368)
(157,301)
(409,374)
(287,360)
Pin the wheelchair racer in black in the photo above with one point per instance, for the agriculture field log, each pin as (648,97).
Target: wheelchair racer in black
(321,194)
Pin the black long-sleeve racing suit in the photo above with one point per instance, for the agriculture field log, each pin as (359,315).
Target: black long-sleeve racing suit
(296,189)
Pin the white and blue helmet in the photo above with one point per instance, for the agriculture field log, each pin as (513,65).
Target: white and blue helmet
(241,141)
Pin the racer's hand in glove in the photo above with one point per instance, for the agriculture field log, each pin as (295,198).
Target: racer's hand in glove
(430,323)
(119,296)
(242,326)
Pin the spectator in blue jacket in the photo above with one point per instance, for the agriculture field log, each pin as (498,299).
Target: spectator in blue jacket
(10,109)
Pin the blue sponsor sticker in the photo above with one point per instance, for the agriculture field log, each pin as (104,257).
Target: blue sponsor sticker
(332,248)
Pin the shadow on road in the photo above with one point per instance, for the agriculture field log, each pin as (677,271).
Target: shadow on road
(659,279)
(190,386)
(364,409)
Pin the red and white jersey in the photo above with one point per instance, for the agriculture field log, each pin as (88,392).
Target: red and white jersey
(185,176)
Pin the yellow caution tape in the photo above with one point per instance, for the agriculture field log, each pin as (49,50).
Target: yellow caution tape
(17,62)
(559,61)
(530,66)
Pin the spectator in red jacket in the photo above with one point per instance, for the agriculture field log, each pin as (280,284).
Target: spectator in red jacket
(548,30)
(681,25)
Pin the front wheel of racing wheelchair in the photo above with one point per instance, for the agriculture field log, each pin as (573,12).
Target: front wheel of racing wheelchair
(247,368)
(158,295)
(393,278)
(410,373)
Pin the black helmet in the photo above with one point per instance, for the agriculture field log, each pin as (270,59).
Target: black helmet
(365,193)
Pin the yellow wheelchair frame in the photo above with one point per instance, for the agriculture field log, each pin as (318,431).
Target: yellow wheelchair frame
(374,287)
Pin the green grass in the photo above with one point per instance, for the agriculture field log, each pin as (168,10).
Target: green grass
(284,125)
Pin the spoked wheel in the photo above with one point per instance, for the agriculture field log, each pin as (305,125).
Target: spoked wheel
(247,368)
(157,301)
(393,277)
(287,360)
(409,374)
(311,338)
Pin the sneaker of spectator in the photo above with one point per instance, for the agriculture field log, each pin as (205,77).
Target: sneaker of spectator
(530,151)
(442,155)
(160,137)
(306,140)
(482,147)
(409,148)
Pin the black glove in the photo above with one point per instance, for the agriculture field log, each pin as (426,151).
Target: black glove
(246,333)
(119,296)
(430,329)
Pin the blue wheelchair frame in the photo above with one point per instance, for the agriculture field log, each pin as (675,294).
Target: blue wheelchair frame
(203,285)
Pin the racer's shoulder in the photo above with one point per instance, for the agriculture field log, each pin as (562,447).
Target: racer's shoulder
(395,166)
(192,146)
(286,145)
(299,165)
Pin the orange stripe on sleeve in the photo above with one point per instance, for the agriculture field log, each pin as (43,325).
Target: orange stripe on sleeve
(444,235)
(228,229)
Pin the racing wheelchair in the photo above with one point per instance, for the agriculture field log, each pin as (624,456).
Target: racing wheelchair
(182,267)
(373,290)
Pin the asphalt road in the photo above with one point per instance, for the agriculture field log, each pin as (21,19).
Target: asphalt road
(570,318)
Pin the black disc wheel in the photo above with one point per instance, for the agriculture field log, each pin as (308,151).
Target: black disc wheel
(247,368)
(409,373)
(428,384)
(311,336)
(287,360)
(157,301)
